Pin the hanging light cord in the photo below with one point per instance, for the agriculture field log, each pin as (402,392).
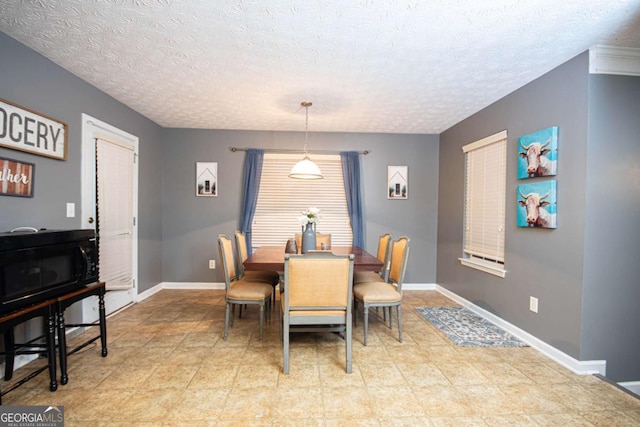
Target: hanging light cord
(306,106)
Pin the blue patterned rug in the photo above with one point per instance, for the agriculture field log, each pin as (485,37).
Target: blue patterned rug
(467,329)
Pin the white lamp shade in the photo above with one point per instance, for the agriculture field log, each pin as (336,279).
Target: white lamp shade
(305,169)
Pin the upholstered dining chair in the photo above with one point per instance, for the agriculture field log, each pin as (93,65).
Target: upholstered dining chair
(317,297)
(270,277)
(320,239)
(323,238)
(388,293)
(384,255)
(239,291)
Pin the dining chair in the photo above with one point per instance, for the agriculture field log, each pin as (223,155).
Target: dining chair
(298,237)
(322,238)
(384,255)
(388,293)
(238,291)
(270,277)
(318,296)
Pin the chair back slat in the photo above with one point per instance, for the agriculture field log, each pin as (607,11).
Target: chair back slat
(318,281)
(384,255)
(242,252)
(399,255)
(225,249)
(383,247)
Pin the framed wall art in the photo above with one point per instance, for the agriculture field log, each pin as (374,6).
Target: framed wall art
(538,153)
(26,130)
(16,178)
(537,205)
(397,182)
(206,179)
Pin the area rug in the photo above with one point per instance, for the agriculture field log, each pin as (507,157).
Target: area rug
(467,329)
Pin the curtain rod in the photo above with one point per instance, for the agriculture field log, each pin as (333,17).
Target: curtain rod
(284,150)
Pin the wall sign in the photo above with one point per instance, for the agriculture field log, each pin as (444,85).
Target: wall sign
(16,178)
(26,130)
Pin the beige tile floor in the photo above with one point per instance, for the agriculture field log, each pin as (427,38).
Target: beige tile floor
(168,365)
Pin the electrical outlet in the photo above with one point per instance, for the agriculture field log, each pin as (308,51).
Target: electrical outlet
(533,304)
(71,210)
(212,264)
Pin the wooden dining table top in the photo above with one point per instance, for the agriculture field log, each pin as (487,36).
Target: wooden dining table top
(271,258)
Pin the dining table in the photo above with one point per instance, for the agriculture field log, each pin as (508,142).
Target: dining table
(271,258)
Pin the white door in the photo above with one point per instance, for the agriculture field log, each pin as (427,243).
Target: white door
(109,206)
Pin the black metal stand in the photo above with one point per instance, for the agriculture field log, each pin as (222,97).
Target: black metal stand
(45,310)
(52,312)
(67,300)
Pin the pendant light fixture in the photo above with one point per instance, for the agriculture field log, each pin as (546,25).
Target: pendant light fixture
(305,168)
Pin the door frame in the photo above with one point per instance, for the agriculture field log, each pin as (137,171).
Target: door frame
(92,128)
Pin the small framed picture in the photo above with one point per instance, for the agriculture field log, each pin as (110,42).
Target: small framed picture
(16,178)
(397,182)
(206,179)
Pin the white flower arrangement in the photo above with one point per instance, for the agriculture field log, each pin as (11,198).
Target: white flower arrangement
(310,216)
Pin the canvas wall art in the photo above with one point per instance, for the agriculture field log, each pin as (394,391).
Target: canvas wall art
(537,205)
(397,182)
(538,153)
(206,179)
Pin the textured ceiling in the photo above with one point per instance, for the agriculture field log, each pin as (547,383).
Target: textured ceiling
(391,66)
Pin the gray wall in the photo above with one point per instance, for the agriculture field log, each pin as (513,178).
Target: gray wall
(585,272)
(547,264)
(32,81)
(192,223)
(611,268)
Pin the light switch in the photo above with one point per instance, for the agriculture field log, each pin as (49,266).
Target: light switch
(71,210)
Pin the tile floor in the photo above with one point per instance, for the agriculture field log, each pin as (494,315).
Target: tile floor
(169,366)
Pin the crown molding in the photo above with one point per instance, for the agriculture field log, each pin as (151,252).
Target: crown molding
(614,60)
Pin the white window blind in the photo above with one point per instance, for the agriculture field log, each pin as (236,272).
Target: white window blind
(281,201)
(485,193)
(115,213)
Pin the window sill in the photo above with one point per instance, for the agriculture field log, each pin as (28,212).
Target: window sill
(482,266)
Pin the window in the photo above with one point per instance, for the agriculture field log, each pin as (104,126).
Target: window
(281,201)
(485,193)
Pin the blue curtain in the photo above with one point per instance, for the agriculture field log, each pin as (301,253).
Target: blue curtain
(251,185)
(352,188)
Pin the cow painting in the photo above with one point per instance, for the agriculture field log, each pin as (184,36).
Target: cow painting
(537,205)
(537,162)
(538,153)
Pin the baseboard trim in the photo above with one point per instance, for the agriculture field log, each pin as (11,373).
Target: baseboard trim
(21,360)
(192,285)
(419,286)
(580,367)
(632,386)
(177,285)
